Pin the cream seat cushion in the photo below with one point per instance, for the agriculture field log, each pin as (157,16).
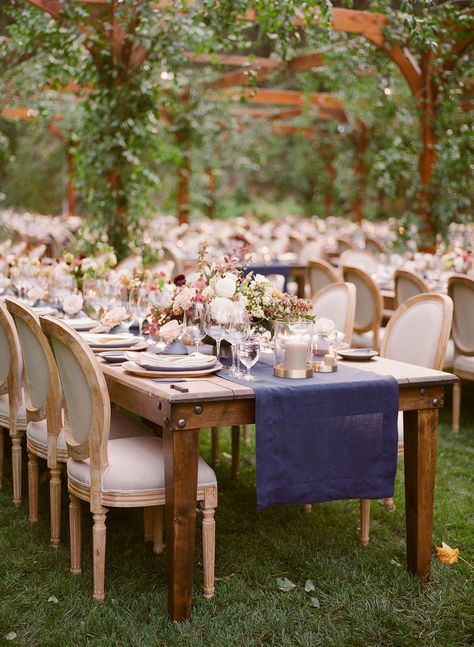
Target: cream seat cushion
(135,465)
(464,363)
(38,433)
(5,412)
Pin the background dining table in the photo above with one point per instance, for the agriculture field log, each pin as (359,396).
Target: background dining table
(214,401)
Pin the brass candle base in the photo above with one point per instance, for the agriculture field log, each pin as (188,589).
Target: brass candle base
(321,367)
(281,371)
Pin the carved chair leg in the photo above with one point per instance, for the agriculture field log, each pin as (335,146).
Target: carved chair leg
(364,521)
(456,406)
(16,470)
(148,524)
(215,446)
(75,533)
(157,516)
(208,550)
(55,505)
(2,452)
(33,473)
(307,508)
(235,451)
(98,548)
(388,504)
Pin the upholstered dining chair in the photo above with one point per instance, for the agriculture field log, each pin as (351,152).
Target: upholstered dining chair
(343,243)
(170,255)
(407,284)
(43,398)
(374,245)
(337,301)
(369,304)
(119,472)
(12,409)
(311,251)
(359,258)
(320,274)
(409,339)
(461,290)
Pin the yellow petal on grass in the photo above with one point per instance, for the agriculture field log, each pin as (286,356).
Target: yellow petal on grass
(446,554)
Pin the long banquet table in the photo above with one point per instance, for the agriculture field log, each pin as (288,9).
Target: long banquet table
(213,401)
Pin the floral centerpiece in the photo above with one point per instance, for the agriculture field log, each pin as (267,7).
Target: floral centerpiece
(224,287)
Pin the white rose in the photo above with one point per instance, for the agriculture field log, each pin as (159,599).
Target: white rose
(222,309)
(35,294)
(171,331)
(259,278)
(72,304)
(208,292)
(225,287)
(325,326)
(114,317)
(184,298)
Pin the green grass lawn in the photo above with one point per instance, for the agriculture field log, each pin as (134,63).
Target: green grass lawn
(365,595)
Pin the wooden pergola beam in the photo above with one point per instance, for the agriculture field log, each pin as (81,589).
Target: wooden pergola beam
(232,79)
(285,97)
(305,62)
(21,114)
(235,60)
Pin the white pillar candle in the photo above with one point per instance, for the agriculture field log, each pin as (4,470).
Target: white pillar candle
(296,355)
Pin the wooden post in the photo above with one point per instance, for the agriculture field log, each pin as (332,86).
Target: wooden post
(184,176)
(71,189)
(211,186)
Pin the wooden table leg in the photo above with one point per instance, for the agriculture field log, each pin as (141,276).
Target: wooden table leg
(420,436)
(181,453)
(299,276)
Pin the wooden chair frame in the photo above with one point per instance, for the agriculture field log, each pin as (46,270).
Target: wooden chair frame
(325,268)
(438,362)
(376,244)
(95,449)
(12,386)
(374,324)
(410,277)
(51,411)
(466,281)
(350,289)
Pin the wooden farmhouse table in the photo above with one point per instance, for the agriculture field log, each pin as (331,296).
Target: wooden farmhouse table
(213,401)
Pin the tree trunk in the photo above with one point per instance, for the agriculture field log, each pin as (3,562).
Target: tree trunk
(428,155)
(211,186)
(184,175)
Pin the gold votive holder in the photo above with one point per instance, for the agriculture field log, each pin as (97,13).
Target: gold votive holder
(295,374)
(321,367)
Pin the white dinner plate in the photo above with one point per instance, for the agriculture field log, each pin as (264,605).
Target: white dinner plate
(135,369)
(358,354)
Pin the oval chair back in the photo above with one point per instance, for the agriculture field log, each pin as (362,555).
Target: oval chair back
(359,258)
(409,339)
(461,291)
(86,399)
(337,301)
(369,302)
(41,384)
(407,284)
(320,274)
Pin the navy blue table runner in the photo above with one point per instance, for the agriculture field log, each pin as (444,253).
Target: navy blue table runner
(272,268)
(332,436)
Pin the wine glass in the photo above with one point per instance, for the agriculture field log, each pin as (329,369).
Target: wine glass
(93,294)
(237,331)
(194,323)
(214,327)
(249,354)
(139,305)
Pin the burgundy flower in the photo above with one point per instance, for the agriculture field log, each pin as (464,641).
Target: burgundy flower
(179,280)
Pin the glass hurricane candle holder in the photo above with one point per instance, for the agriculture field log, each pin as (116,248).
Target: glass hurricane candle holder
(293,349)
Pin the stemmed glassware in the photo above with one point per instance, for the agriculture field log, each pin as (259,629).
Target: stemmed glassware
(237,331)
(194,323)
(249,354)
(139,305)
(215,328)
(93,294)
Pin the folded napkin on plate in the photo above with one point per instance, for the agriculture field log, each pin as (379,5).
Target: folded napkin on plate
(102,338)
(178,361)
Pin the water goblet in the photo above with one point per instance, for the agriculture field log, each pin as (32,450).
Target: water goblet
(194,323)
(215,327)
(237,331)
(139,305)
(249,355)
